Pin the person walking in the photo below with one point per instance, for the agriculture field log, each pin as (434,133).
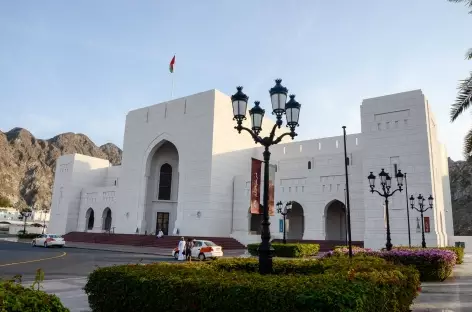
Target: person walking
(188,249)
(181,249)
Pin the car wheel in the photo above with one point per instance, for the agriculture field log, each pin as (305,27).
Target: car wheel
(33,243)
(60,246)
(201,257)
(45,245)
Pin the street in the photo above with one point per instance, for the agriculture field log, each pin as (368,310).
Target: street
(65,269)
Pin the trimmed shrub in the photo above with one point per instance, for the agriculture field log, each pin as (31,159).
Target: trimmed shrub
(288,250)
(14,297)
(205,287)
(27,235)
(433,264)
(459,251)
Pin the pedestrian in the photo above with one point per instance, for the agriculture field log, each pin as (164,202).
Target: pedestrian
(188,249)
(160,234)
(181,249)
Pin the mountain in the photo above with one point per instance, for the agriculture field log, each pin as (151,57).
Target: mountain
(460,175)
(27,164)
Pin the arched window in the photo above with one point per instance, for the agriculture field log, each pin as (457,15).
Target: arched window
(309,165)
(106,219)
(90,217)
(165,182)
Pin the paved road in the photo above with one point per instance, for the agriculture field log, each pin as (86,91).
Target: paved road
(65,269)
(60,263)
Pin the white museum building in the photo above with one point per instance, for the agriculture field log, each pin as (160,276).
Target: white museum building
(187,171)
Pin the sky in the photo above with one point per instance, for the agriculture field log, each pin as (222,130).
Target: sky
(80,66)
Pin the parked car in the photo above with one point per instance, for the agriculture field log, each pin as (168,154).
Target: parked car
(202,250)
(48,240)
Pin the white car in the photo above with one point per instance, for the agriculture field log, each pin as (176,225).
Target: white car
(202,250)
(48,240)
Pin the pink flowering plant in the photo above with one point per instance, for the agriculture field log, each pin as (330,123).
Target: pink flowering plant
(433,264)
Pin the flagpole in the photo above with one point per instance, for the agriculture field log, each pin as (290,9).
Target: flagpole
(172,91)
(172,74)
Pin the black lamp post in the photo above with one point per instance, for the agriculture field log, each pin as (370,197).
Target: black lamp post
(421,209)
(280,106)
(386,184)
(284,212)
(26,214)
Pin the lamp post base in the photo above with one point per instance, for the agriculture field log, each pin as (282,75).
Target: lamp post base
(388,246)
(266,252)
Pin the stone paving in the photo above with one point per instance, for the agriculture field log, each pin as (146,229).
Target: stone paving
(452,295)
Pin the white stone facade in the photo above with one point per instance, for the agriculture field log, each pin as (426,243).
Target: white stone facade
(185,164)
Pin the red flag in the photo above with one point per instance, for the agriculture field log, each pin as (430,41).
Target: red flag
(171,65)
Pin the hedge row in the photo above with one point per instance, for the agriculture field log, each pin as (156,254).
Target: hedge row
(14,297)
(433,264)
(27,235)
(288,250)
(366,285)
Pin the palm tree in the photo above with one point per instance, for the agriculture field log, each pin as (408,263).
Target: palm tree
(464,94)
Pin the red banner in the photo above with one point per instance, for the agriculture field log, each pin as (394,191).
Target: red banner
(426,225)
(271,190)
(255,186)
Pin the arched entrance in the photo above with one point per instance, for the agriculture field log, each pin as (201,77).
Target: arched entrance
(335,221)
(106,219)
(162,187)
(89,219)
(295,222)
(255,221)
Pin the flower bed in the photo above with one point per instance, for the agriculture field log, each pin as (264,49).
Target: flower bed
(433,264)
(14,297)
(459,251)
(288,250)
(369,284)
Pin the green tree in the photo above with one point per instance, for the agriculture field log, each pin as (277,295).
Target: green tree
(464,94)
(4,201)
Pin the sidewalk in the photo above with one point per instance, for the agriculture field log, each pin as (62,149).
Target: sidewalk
(454,294)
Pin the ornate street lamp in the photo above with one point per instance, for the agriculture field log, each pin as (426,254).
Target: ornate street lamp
(386,184)
(284,212)
(280,106)
(26,213)
(421,209)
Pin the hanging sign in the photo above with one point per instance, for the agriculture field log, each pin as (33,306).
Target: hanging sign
(426,225)
(255,186)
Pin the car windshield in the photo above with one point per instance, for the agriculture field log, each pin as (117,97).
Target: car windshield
(208,243)
(55,236)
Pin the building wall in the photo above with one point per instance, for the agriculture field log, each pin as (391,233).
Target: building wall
(210,193)
(397,129)
(184,122)
(73,173)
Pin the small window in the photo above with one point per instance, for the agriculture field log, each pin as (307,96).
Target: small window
(309,165)
(289,189)
(406,121)
(282,188)
(357,141)
(379,126)
(319,145)
(387,125)
(396,124)
(395,169)
(348,161)
(330,187)
(284,150)
(337,143)
(301,148)
(165,182)
(303,189)
(275,168)
(324,186)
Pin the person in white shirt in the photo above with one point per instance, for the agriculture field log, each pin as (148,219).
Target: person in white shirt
(160,234)
(181,249)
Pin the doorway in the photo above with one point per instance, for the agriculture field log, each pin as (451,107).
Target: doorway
(162,222)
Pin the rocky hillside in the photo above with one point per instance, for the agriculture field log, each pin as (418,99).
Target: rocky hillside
(27,164)
(460,174)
